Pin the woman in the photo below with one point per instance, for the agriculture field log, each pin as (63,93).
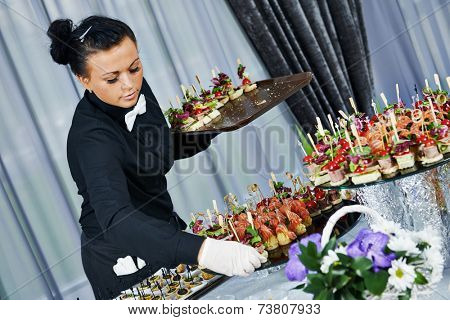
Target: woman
(119,149)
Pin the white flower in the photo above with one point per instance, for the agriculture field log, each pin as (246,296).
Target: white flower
(403,243)
(430,236)
(387,227)
(341,249)
(401,274)
(328,260)
(435,262)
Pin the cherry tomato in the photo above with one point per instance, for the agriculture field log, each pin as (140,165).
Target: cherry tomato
(334,166)
(383,153)
(325,167)
(341,151)
(360,169)
(421,139)
(445,122)
(218,94)
(311,204)
(343,143)
(429,143)
(246,81)
(339,158)
(308,159)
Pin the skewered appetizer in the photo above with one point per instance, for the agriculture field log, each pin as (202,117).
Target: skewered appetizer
(199,110)
(247,84)
(364,149)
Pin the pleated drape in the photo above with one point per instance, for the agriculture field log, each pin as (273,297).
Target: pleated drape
(325,37)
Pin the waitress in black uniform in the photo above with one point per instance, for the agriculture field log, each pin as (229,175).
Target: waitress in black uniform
(119,149)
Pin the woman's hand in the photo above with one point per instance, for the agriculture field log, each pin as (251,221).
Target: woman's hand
(230,258)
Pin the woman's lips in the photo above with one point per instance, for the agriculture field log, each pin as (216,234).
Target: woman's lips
(130,96)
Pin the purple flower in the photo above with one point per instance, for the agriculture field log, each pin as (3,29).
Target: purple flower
(295,270)
(371,245)
(315,238)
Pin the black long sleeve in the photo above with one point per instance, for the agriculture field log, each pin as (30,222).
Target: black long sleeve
(152,239)
(121,176)
(186,146)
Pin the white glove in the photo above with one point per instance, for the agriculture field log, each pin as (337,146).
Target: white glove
(229,257)
(126,266)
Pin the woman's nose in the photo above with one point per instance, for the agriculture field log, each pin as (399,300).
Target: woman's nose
(126,82)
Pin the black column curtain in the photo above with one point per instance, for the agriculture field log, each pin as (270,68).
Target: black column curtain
(326,37)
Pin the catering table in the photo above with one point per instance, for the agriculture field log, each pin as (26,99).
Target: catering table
(273,284)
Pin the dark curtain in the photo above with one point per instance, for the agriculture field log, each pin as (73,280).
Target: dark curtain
(325,37)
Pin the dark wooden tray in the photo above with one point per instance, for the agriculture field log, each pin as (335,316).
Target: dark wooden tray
(238,113)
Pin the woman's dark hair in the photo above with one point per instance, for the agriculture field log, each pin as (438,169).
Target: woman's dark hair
(69,47)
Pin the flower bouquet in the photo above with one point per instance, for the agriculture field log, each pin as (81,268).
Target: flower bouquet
(386,262)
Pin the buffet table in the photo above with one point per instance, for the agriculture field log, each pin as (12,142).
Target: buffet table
(272,283)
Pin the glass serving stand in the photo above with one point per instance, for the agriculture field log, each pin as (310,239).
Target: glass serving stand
(414,198)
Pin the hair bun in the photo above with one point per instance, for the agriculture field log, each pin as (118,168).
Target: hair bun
(60,32)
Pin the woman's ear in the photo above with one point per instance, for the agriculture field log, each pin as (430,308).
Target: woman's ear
(85,82)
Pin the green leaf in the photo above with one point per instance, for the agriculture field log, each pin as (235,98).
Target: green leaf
(376,281)
(420,278)
(251,231)
(361,264)
(423,245)
(406,295)
(312,249)
(256,240)
(337,271)
(304,140)
(309,262)
(329,277)
(317,279)
(347,295)
(326,294)
(299,287)
(278,184)
(359,285)
(309,256)
(344,259)
(331,245)
(341,281)
(316,284)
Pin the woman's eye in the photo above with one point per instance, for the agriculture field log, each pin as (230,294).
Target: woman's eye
(135,70)
(112,80)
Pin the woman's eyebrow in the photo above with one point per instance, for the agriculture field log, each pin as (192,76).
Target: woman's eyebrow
(118,71)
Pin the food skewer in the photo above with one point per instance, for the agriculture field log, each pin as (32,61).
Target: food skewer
(356,135)
(331,123)
(383,97)
(437,81)
(398,93)
(301,146)
(312,142)
(353,104)
(347,137)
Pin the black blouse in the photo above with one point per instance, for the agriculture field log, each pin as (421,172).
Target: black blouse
(121,177)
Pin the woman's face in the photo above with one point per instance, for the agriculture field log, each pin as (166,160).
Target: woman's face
(115,75)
